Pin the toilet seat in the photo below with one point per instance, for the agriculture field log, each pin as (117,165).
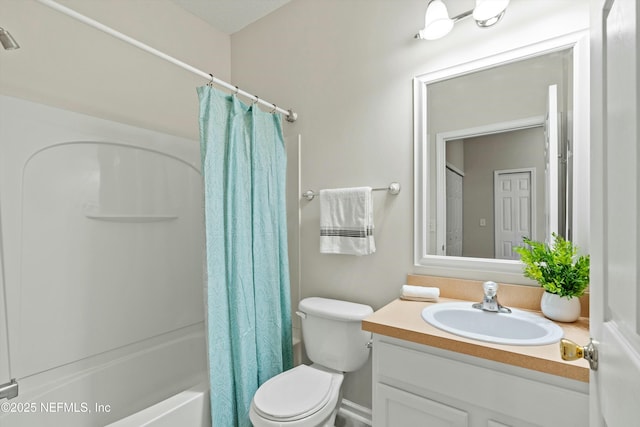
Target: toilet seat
(296,394)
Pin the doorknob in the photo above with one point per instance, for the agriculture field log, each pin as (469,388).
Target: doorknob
(572,351)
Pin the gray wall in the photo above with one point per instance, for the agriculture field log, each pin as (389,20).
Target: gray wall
(483,155)
(67,64)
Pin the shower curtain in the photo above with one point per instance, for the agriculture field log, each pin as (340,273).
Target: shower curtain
(248,313)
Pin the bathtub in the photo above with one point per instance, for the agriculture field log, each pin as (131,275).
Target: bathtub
(189,408)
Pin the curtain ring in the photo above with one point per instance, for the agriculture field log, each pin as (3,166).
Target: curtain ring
(210,84)
(256,100)
(237,90)
(275,108)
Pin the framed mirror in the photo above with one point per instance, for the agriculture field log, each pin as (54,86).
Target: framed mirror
(501,153)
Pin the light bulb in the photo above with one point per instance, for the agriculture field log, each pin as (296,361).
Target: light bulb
(488,12)
(436,21)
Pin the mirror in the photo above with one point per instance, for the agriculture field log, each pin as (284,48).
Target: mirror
(495,156)
(492,134)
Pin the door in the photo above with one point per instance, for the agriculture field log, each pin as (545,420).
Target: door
(551,154)
(514,200)
(615,222)
(454,213)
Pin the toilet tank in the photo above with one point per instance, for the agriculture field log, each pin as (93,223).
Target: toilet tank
(332,332)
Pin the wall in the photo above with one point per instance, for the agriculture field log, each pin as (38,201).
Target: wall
(455,154)
(483,155)
(497,94)
(67,64)
(346,67)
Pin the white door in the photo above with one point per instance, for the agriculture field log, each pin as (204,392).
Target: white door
(514,207)
(551,152)
(454,213)
(615,228)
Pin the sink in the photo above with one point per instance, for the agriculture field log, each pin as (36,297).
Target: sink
(515,328)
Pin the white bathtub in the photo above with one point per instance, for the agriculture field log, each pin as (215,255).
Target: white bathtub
(189,408)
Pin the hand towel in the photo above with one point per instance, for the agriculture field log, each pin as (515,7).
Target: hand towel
(346,221)
(420,293)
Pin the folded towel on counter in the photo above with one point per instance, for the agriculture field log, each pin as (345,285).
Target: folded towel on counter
(346,221)
(420,293)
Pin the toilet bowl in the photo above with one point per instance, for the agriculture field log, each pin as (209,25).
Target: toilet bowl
(310,396)
(305,396)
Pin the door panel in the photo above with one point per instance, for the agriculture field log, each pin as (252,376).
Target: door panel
(615,155)
(454,213)
(514,207)
(551,161)
(399,408)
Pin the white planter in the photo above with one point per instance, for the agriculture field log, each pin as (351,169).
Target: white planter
(560,308)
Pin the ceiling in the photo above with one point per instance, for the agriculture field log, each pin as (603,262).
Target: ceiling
(230,16)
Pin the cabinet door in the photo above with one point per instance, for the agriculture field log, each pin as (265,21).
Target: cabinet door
(394,407)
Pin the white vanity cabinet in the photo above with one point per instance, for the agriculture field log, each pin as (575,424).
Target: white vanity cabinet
(419,385)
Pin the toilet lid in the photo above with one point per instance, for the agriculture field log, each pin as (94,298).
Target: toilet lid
(294,394)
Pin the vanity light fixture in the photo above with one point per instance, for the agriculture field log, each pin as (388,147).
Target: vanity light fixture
(437,23)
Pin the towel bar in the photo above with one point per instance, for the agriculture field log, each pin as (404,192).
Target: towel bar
(393,188)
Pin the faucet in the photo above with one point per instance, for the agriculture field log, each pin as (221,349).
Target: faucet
(490,300)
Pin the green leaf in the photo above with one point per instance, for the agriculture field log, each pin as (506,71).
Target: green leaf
(556,268)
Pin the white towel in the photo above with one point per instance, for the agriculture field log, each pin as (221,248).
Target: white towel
(420,293)
(346,221)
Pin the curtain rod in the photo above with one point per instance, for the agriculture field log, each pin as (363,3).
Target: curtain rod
(291,116)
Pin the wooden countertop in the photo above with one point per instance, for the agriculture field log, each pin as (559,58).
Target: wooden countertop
(402,319)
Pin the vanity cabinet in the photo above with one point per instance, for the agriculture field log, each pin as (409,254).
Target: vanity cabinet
(419,385)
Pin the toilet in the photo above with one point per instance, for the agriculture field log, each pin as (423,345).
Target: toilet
(310,395)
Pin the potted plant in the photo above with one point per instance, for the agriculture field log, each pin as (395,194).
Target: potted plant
(560,271)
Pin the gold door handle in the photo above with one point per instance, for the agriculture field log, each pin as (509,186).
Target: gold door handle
(572,351)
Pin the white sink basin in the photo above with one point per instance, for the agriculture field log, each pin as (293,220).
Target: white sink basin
(515,328)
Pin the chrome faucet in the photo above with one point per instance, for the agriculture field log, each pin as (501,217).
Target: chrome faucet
(490,300)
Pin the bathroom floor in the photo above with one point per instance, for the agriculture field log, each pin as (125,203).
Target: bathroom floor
(347,422)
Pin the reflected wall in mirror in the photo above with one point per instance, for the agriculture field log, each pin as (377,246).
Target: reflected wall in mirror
(494,193)
(494,148)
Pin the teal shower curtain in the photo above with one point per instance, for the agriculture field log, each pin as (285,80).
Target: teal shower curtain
(247,268)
